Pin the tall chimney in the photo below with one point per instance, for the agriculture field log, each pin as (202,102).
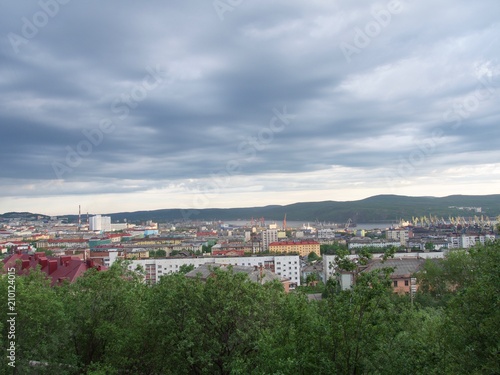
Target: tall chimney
(52,266)
(43,261)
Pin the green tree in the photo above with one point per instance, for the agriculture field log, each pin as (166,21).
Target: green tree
(206,248)
(296,342)
(312,257)
(185,268)
(358,320)
(413,343)
(160,253)
(332,249)
(312,277)
(207,328)
(41,326)
(473,316)
(429,246)
(105,310)
(172,330)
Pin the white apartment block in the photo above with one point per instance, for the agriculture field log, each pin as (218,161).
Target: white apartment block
(326,233)
(360,242)
(269,236)
(284,265)
(466,242)
(100,223)
(401,235)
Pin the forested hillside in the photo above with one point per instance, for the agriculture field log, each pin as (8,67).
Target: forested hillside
(112,323)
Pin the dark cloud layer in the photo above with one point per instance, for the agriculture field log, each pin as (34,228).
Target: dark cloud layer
(427,67)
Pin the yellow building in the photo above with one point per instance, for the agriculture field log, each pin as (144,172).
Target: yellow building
(303,248)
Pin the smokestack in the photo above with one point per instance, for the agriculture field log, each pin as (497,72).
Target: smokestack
(52,265)
(79,215)
(43,262)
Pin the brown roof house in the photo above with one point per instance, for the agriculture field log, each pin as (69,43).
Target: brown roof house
(256,274)
(403,277)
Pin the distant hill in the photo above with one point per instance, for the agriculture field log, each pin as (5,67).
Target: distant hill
(24,216)
(380,208)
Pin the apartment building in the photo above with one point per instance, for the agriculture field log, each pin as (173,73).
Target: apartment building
(401,235)
(287,266)
(100,223)
(269,236)
(303,248)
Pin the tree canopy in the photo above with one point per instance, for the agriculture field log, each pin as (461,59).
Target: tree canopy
(113,323)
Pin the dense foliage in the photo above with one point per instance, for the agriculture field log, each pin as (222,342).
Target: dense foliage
(112,323)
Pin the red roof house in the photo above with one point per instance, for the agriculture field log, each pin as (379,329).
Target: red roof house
(58,269)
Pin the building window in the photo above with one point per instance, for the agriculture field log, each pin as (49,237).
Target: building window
(395,283)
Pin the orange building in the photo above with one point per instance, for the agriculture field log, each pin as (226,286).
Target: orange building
(303,248)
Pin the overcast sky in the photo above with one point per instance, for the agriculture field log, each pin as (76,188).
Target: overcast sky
(122,105)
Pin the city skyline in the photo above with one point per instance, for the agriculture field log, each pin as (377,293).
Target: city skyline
(125,107)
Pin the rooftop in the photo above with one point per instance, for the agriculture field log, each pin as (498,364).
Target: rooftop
(292,243)
(58,269)
(402,266)
(255,274)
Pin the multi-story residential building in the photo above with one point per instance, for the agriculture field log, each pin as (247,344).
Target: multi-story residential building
(238,248)
(303,248)
(283,265)
(256,274)
(468,241)
(360,242)
(157,241)
(330,267)
(420,244)
(100,223)
(326,233)
(269,236)
(403,277)
(63,243)
(401,235)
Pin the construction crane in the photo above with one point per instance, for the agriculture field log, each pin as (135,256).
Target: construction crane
(346,229)
(424,220)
